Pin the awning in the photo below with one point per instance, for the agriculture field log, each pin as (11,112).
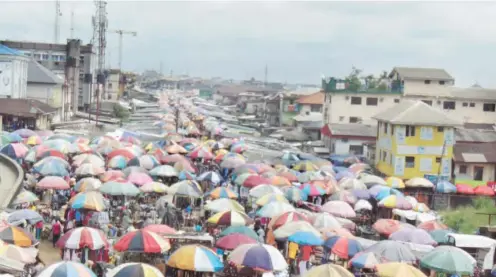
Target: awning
(325,131)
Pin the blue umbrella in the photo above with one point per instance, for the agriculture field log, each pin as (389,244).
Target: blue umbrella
(445,187)
(30,216)
(51,167)
(361,194)
(186,175)
(306,238)
(342,174)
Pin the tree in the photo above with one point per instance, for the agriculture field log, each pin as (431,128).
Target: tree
(353,79)
(121,112)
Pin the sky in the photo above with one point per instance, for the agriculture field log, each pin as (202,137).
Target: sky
(298,41)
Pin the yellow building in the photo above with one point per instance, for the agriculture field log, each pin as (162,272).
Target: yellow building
(415,140)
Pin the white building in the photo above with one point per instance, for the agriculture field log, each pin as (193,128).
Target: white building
(433,86)
(13,73)
(113,89)
(346,139)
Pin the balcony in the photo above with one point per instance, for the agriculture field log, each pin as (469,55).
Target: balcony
(333,85)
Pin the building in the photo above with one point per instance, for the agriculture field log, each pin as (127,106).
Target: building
(347,104)
(309,123)
(43,85)
(114,90)
(13,73)
(415,139)
(311,103)
(25,113)
(348,139)
(74,62)
(475,161)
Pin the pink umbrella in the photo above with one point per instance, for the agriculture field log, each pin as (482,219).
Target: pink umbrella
(173,159)
(52,182)
(139,178)
(339,208)
(112,175)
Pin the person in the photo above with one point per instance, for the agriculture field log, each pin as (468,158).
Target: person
(39,227)
(292,251)
(56,230)
(305,253)
(261,234)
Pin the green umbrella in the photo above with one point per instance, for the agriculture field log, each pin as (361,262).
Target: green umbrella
(239,230)
(449,259)
(440,236)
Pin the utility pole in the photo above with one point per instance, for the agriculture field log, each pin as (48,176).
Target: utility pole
(121,33)
(58,14)
(266,73)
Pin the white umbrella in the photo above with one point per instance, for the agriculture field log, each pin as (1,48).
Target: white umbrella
(370,179)
(274,209)
(224,204)
(419,182)
(262,190)
(325,221)
(187,188)
(290,228)
(351,183)
(362,205)
(164,171)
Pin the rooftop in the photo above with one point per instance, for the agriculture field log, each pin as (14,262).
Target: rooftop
(349,130)
(473,93)
(475,152)
(473,135)
(33,45)
(37,73)
(4,50)
(416,113)
(418,73)
(309,116)
(312,99)
(24,107)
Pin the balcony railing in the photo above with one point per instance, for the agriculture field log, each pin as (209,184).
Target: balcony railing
(333,85)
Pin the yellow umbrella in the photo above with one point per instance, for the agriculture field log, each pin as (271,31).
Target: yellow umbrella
(421,207)
(33,140)
(395,183)
(305,166)
(398,270)
(272,197)
(327,270)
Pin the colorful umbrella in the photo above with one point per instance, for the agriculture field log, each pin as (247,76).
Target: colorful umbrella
(232,162)
(272,197)
(24,133)
(312,190)
(328,270)
(87,169)
(33,140)
(174,158)
(432,225)
(484,190)
(287,217)
(380,192)
(87,184)
(135,270)
(93,159)
(139,178)
(66,269)
(82,237)
(142,242)
(420,207)
(364,260)
(262,190)
(224,204)
(17,236)
(392,251)
(112,175)
(175,149)
(388,226)
(440,236)
(260,257)
(290,228)
(450,260)
(343,247)
(201,153)
(395,202)
(294,194)
(289,175)
(351,184)
(231,241)
(325,221)
(164,171)
(419,182)
(345,196)
(19,254)
(230,218)
(25,196)
(210,176)
(78,148)
(273,209)
(45,153)
(371,180)
(305,166)
(146,161)
(90,200)
(117,162)
(160,229)
(398,270)
(413,235)
(52,182)
(339,208)
(222,192)
(239,148)
(306,238)
(30,216)
(15,150)
(464,189)
(186,175)
(119,188)
(186,188)
(445,187)
(196,258)
(254,180)
(239,230)
(51,167)
(154,187)
(395,182)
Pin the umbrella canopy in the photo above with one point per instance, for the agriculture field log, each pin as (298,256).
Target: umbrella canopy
(440,236)
(224,204)
(389,226)
(17,236)
(247,231)
(370,180)
(484,190)
(290,228)
(397,269)
(186,188)
(94,159)
(15,150)
(135,270)
(160,229)
(364,260)
(222,192)
(345,196)
(66,269)
(343,247)
(273,209)
(24,133)
(52,182)
(87,169)
(30,216)
(287,217)
(51,167)
(264,200)
(294,194)
(395,202)
(164,171)
(363,205)
(230,218)
(210,176)
(91,200)
(195,258)
(122,152)
(328,270)
(119,188)
(146,161)
(312,190)
(416,235)
(25,196)
(154,187)
(392,251)
(432,225)
(232,162)
(445,187)
(339,208)
(305,166)
(306,238)
(325,221)
(139,178)
(233,240)
(351,184)
(262,190)
(395,182)
(112,175)
(117,162)
(87,184)
(380,192)
(450,260)
(419,182)
(82,237)
(254,180)
(464,189)
(261,257)
(23,255)
(186,175)
(142,242)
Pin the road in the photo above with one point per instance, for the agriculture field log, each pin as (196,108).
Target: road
(11,176)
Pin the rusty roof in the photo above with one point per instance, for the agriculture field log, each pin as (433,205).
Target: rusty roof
(24,107)
(312,99)
(475,152)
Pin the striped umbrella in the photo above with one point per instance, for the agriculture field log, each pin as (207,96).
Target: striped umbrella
(25,196)
(201,153)
(142,242)
(53,182)
(154,187)
(87,184)
(51,167)
(305,166)
(262,190)
(186,188)
(119,188)
(146,161)
(279,181)
(90,200)
(364,260)
(224,204)
(230,218)
(287,217)
(294,194)
(94,159)
(247,231)
(135,270)
(261,257)
(164,171)
(231,241)
(196,258)
(82,237)
(88,169)
(395,182)
(343,247)
(112,175)
(273,197)
(312,190)
(160,229)
(17,236)
(273,209)
(186,175)
(15,150)
(222,192)
(210,176)
(117,162)
(66,269)
(33,140)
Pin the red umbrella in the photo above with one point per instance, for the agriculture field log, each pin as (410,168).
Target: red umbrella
(255,180)
(159,154)
(121,152)
(51,153)
(112,175)
(389,226)
(287,217)
(173,159)
(484,190)
(464,189)
(288,175)
(432,225)
(160,229)
(233,240)
(139,178)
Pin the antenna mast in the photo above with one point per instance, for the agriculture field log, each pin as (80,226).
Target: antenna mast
(58,14)
(72,22)
(100,23)
(266,73)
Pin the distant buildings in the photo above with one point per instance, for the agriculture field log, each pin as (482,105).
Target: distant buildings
(13,73)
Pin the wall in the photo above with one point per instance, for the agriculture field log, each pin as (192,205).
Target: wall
(47,93)
(112,89)
(342,146)
(418,87)
(14,76)
(42,122)
(489,170)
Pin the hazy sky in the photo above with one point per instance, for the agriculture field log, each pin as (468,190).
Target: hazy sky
(299,41)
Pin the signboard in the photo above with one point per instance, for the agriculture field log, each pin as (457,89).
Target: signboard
(446,167)
(433,178)
(449,136)
(6,78)
(426,133)
(419,150)
(400,134)
(399,165)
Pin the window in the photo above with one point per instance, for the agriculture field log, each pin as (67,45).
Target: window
(489,107)
(383,156)
(449,105)
(396,100)
(438,160)
(440,129)
(355,119)
(356,149)
(442,83)
(428,102)
(427,82)
(356,100)
(462,169)
(409,162)
(385,128)
(410,131)
(37,56)
(464,104)
(110,85)
(341,118)
(478,173)
(44,57)
(472,105)
(316,108)
(371,101)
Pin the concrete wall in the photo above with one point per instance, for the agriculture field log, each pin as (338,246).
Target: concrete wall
(112,87)
(10,180)
(488,175)
(15,70)
(342,146)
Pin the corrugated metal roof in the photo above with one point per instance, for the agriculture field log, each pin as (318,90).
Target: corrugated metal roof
(37,73)
(312,99)
(422,73)
(4,50)
(353,130)
(475,152)
(471,135)
(416,113)
(474,158)
(473,93)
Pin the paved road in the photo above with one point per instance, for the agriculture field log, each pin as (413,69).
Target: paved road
(11,177)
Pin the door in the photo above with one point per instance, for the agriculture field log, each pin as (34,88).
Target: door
(478,173)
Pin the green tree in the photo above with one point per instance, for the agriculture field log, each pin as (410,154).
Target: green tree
(353,79)
(121,112)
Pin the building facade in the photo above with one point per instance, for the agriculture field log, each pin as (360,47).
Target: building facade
(13,73)
(415,140)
